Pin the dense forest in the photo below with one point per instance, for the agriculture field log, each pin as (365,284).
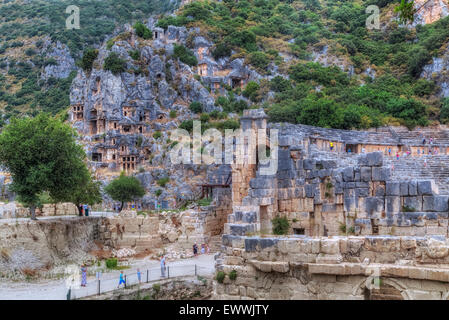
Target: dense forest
(259,30)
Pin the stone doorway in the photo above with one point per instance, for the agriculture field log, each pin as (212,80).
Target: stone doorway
(385,292)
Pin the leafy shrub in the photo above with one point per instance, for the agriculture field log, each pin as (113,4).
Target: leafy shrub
(158,192)
(156,288)
(244,39)
(109,44)
(114,63)
(221,50)
(111,263)
(280,225)
(196,107)
(204,117)
(142,31)
(88,59)
(220,276)
(444,112)
(217,114)
(228,124)
(173,114)
(408,209)
(157,135)
(187,125)
(251,90)
(163,181)
(134,54)
(204,202)
(259,60)
(185,55)
(233,275)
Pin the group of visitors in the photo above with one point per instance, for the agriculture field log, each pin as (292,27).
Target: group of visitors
(83,210)
(122,277)
(204,249)
(424,141)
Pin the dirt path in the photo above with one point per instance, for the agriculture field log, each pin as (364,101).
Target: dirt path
(57,289)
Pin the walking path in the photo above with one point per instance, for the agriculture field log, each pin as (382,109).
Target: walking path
(57,289)
(92,214)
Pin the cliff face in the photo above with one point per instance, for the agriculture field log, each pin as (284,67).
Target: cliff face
(430,11)
(125,119)
(437,71)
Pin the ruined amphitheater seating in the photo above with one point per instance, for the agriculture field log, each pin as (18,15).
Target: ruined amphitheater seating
(414,168)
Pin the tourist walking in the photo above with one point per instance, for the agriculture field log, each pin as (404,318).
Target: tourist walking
(121,280)
(163,267)
(86,213)
(331,146)
(195,249)
(203,248)
(83,275)
(139,275)
(389,152)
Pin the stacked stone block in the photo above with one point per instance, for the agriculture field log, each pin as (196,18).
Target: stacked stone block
(333,268)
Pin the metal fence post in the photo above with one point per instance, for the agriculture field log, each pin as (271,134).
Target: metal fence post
(69,293)
(98,287)
(195,270)
(168,272)
(147,275)
(125,281)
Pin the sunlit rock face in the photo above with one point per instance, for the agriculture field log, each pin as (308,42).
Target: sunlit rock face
(430,11)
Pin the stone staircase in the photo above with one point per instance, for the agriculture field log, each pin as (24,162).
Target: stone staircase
(440,137)
(414,168)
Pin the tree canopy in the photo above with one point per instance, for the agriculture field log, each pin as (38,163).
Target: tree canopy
(42,155)
(125,189)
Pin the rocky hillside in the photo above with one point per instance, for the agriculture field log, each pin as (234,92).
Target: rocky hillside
(322,66)
(38,54)
(314,57)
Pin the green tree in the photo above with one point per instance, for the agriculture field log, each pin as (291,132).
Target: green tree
(125,189)
(88,192)
(114,64)
(196,107)
(42,155)
(88,59)
(185,55)
(142,30)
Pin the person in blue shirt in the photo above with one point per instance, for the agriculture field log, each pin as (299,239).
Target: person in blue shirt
(139,275)
(121,279)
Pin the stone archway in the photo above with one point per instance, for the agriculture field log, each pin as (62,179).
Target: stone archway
(390,289)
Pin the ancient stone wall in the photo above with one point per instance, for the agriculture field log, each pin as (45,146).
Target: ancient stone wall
(172,231)
(30,247)
(356,230)
(16,210)
(371,267)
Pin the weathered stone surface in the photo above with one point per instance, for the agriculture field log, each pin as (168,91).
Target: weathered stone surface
(392,188)
(427,187)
